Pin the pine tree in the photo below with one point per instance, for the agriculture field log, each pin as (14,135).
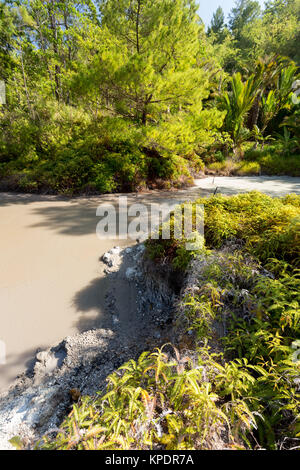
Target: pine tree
(49,25)
(218,22)
(147,65)
(159,41)
(7,30)
(244,12)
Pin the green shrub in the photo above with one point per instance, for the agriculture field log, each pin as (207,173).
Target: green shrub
(195,163)
(273,161)
(260,316)
(253,155)
(268,227)
(112,153)
(269,161)
(103,180)
(224,168)
(159,402)
(229,167)
(279,165)
(291,199)
(247,169)
(219,156)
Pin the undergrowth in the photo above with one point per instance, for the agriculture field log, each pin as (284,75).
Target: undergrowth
(271,160)
(266,227)
(257,315)
(162,401)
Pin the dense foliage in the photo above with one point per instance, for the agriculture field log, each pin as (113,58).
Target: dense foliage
(114,95)
(267,227)
(232,381)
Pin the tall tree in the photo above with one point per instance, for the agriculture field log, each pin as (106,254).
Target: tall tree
(277,31)
(146,65)
(218,22)
(49,25)
(244,12)
(160,54)
(7,30)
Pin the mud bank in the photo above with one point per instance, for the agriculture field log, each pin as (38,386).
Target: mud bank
(42,396)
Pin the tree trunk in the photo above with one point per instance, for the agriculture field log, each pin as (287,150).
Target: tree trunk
(254,113)
(137,26)
(55,49)
(144,116)
(69,52)
(31,112)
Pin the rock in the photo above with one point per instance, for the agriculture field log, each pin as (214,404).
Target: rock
(107,259)
(130,274)
(112,259)
(115,251)
(46,363)
(43,356)
(141,248)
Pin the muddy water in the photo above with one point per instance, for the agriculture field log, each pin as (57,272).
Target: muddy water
(51,279)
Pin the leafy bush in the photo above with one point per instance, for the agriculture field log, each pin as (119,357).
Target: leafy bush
(267,227)
(273,161)
(66,151)
(223,168)
(229,167)
(259,315)
(159,401)
(247,168)
(276,165)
